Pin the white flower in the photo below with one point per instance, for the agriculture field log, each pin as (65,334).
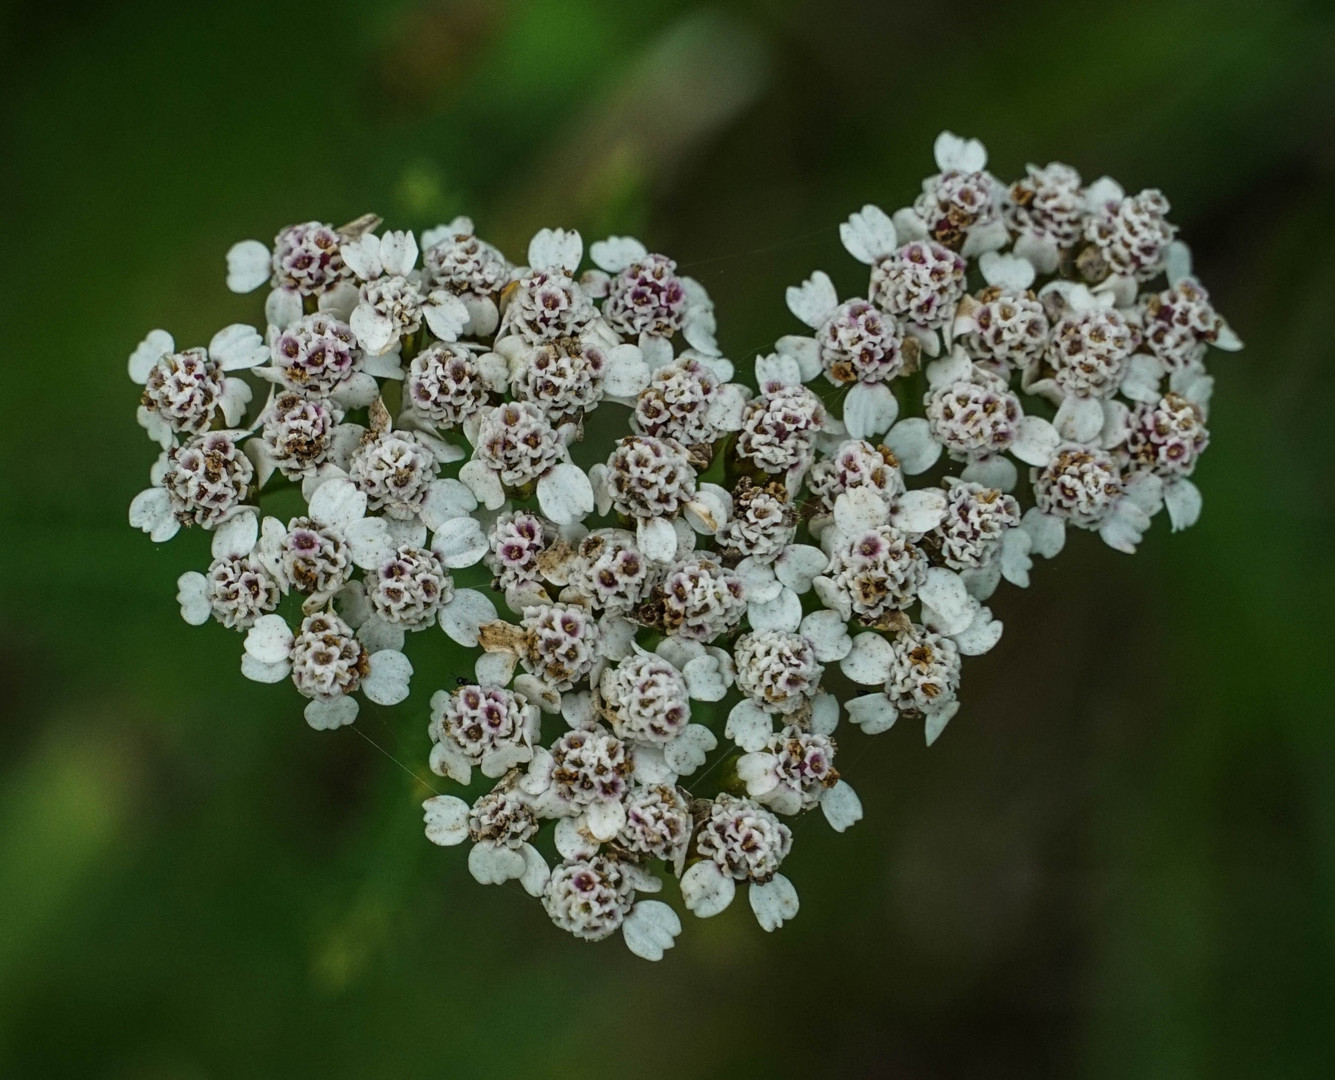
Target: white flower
(1129,236)
(318,355)
(1084,486)
(960,207)
(185,391)
(236,591)
(486,727)
(455,260)
(646,299)
(701,599)
(687,400)
(740,841)
(778,669)
(658,824)
(306,260)
(500,824)
(921,283)
(1046,214)
(796,773)
(299,434)
(202,482)
(922,679)
(779,430)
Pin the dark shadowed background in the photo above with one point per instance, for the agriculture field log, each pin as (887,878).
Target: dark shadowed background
(1119,861)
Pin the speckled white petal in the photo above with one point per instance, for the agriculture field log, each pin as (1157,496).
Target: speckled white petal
(656,539)
(236,536)
(859,509)
(1183,501)
(650,929)
(758,579)
(386,681)
(156,345)
(935,722)
(461,618)
(617,635)
(191,594)
(238,347)
(841,806)
(873,713)
(689,750)
(805,350)
(981,635)
(459,542)
(869,410)
(627,372)
(1015,562)
(357,391)
(446,820)
(483,483)
(565,494)
(814,300)
(447,760)
(1123,529)
(705,890)
(945,594)
(492,864)
(151,511)
(1036,440)
(774,903)
(376,634)
(868,661)
(398,252)
(869,235)
(798,564)
(616,253)
(248,266)
(919,511)
(282,307)
(1047,532)
(783,612)
(651,766)
(337,503)
(362,256)
(705,679)
(605,819)
(749,726)
(269,640)
(1079,419)
(994,472)
(370,543)
(375,331)
(912,443)
(577,709)
(328,715)
(1007,272)
(828,634)
(555,249)
(756,771)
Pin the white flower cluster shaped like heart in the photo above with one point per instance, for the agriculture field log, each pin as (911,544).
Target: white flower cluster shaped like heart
(684,622)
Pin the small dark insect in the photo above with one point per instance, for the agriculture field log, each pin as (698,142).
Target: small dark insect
(460,680)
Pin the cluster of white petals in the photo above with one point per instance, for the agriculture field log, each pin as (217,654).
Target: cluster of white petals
(667,629)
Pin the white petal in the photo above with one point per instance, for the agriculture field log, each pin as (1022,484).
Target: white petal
(841,806)
(398,252)
(1008,272)
(705,890)
(1047,531)
(994,472)
(616,253)
(749,726)
(328,715)
(1015,562)
(912,443)
(248,266)
(814,300)
(859,509)
(1143,376)
(536,872)
(1036,440)
(1147,491)
(656,539)
(651,927)
(944,592)
(706,679)
(464,615)
(236,536)
(375,332)
(774,903)
(617,636)
(260,672)
(445,314)
(689,750)
(555,249)
(869,235)
(797,564)
(775,368)
(151,511)
(981,635)
(873,713)
(627,372)
(282,307)
(191,595)
(954,154)
(1177,258)
(565,494)
(919,511)
(370,543)
(376,634)
(459,542)
(362,256)
(493,669)
(828,634)
(446,820)
(1123,529)
(869,410)
(340,301)
(1080,419)
(337,503)
(447,759)
(357,391)
(868,661)
(804,350)
(491,864)
(758,579)
(604,820)
(269,640)
(386,681)
(238,347)
(936,721)
(651,767)
(1183,501)
(784,612)
(156,345)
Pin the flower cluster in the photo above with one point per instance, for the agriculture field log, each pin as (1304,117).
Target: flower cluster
(680,618)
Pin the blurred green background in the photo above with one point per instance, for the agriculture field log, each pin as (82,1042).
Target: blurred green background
(1118,862)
